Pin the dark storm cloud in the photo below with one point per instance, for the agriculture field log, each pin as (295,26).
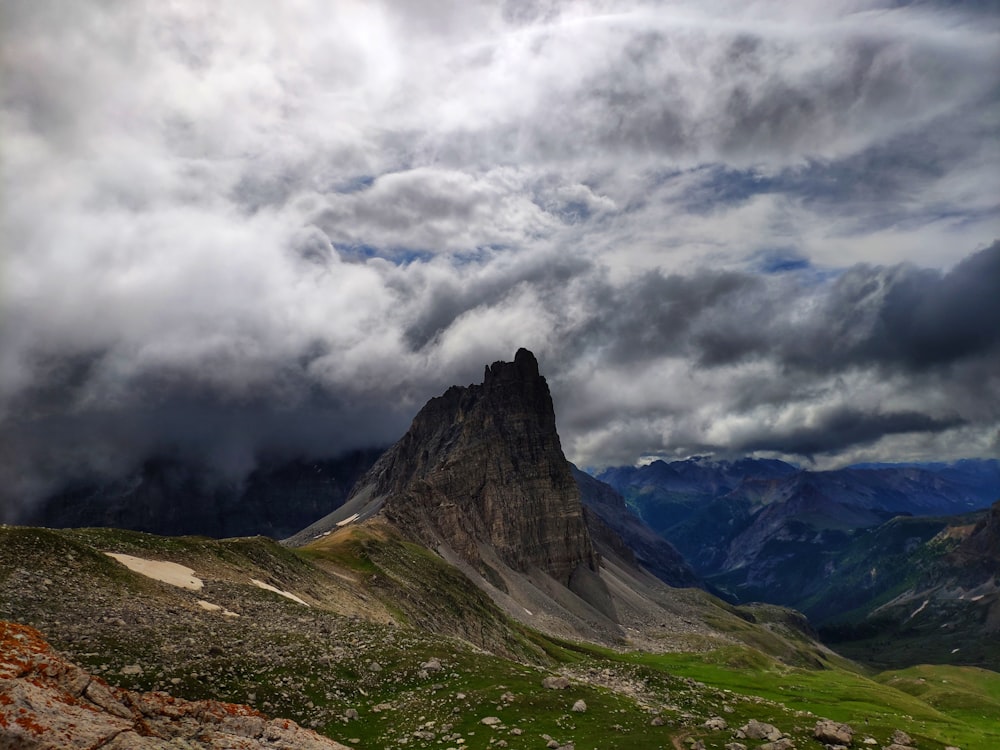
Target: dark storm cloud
(929,319)
(905,317)
(799,363)
(901,318)
(657,315)
(843,428)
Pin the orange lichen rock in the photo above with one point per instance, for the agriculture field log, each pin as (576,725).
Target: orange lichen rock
(49,703)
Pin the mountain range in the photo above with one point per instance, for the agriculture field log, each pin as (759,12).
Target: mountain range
(475,589)
(746,530)
(850,548)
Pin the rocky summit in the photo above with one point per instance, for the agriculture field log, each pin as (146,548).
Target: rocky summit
(482,466)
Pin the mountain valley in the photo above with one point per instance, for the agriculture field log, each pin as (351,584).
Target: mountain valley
(858,550)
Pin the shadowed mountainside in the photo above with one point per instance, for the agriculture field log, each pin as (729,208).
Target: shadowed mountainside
(171,497)
(616,529)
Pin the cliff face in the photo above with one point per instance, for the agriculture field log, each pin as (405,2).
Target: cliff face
(483,465)
(981,549)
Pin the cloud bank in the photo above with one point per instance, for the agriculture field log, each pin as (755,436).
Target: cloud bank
(256,230)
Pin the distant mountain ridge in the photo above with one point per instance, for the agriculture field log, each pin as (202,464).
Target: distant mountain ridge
(859,550)
(918,589)
(720,513)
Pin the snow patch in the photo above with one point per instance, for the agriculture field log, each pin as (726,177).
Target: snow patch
(216,608)
(919,609)
(161,570)
(269,587)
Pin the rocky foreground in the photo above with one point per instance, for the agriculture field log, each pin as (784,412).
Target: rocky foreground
(46,702)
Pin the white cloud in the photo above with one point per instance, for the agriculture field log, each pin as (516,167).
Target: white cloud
(274,206)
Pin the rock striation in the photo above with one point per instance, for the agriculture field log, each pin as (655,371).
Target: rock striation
(48,703)
(482,467)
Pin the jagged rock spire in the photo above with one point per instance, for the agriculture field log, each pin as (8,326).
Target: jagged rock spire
(483,465)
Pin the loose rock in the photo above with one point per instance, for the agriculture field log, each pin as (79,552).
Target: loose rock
(899,737)
(781,744)
(758,730)
(833,733)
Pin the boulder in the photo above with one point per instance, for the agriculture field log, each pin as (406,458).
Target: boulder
(899,737)
(758,730)
(833,733)
(781,744)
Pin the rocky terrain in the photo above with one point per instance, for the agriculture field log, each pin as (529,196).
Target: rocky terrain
(481,479)
(367,659)
(49,703)
(616,530)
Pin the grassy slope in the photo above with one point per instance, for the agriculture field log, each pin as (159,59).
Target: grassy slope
(312,665)
(967,693)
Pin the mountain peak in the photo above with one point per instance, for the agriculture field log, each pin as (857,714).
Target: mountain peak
(524,367)
(482,472)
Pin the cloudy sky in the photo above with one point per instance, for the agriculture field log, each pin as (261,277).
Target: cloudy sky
(236,230)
